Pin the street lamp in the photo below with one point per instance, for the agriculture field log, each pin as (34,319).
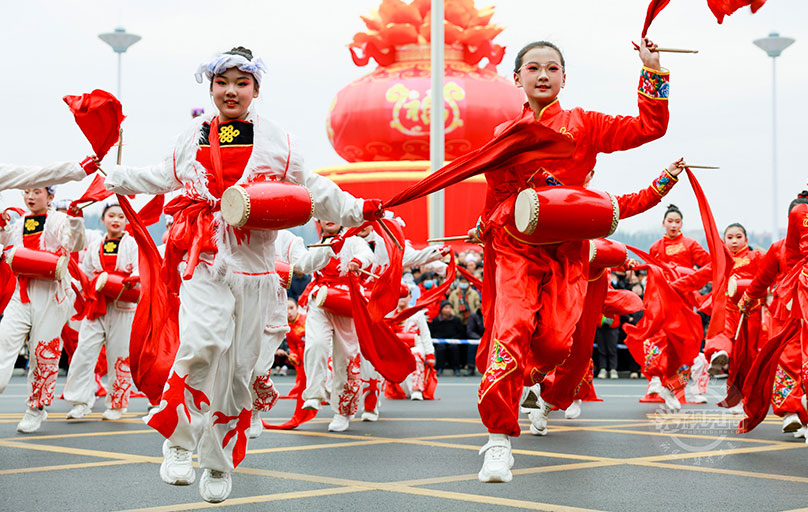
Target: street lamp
(120,41)
(774,46)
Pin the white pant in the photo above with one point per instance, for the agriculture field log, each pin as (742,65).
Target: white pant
(372,382)
(329,334)
(39,322)
(264,394)
(114,329)
(206,403)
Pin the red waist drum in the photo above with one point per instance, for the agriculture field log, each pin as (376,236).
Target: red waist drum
(267,205)
(407,337)
(37,264)
(285,272)
(736,288)
(334,300)
(112,285)
(557,214)
(605,253)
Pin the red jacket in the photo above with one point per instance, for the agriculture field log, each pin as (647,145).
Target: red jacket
(681,251)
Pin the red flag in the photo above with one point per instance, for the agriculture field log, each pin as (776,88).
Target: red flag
(99,115)
(523,140)
(150,213)
(155,330)
(723,8)
(95,192)
(653,9)
(377,341)
(434,295)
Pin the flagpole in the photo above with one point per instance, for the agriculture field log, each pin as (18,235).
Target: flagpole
(436,123)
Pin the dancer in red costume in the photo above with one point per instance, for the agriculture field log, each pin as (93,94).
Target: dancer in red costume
(296,339)
(561,387)
(532,320)
(679,251)
(787,386)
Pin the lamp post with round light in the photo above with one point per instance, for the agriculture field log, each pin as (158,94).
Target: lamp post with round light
(120,40)
(774,45)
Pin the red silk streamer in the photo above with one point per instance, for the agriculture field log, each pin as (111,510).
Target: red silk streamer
(434,295)
(723,8)
(722,261)
(155,330)
(150,213)
(95,192)
(7,284)
(757,389)
(99,115)
(379,344)
(385,293)
(471,278)
(621,302)
(653,9)
(666,311)
(523,140)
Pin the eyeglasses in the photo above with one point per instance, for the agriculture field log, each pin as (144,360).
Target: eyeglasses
(532,68)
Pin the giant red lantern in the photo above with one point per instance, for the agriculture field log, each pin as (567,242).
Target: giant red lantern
(380,122)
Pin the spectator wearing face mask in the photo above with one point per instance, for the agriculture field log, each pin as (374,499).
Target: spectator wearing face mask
(428,280)
(465,300)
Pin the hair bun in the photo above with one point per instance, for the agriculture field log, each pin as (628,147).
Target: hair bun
(803,194)
(240,50)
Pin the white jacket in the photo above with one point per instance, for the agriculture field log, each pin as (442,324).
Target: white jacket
(31,176)
(273,155)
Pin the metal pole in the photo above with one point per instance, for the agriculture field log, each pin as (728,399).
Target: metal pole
(775,204)
(119,75)
(436,126)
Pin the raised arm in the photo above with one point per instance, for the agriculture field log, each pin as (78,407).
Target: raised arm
(154,179)
(31,176)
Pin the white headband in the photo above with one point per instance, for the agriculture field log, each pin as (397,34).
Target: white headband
(225,61)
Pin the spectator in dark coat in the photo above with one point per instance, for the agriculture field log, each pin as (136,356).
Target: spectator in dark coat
(448,326)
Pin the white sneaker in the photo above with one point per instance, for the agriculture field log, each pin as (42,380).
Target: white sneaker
(538,419)
(416,395)
(670,399)
(79,411)
(737,409)
(613,374)
(283,371)
(654,386)
(602,373)
(370,415)
(531,397)
(113,414)
(717,363)
(573,411)
(340,423)
(800,433)
(177,468)
(215,486)
(633,375)
(256,425)
(498,459)
(31,420)
(791,423)
(312,404)
(692,394)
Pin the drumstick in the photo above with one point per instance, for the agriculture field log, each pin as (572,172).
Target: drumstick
(448,238)
(319,245)
(390,234)
(665,50)
(371,274)
(740,324)
(120,145)
(86,205)
(702,166)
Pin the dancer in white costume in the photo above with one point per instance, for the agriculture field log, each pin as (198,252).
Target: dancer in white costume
(226,292)
(330,334)
(109,323)
(39,308)
(417,328)
(291,250)
(429,259)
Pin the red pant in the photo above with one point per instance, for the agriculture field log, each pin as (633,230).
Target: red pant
(560,387)
(538,302)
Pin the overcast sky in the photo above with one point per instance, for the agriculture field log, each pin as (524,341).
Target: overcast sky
(720,99)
